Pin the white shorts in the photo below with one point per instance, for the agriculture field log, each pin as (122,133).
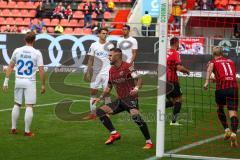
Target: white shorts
(28,93)
(99,81)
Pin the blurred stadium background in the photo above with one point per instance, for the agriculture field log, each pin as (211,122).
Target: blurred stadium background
(199,25)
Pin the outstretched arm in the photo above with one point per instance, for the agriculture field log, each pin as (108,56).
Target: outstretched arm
(105,93)
(209,72)
(182,69)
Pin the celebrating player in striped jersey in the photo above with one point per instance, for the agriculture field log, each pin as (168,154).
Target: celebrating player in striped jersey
(226,92)
(174,94)
(27,60)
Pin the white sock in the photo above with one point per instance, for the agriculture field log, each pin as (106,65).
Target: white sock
(28,118)
(227,130)
(113,132)
(107,100)
(149,141)
(92,107)
(233,135)
(15,115)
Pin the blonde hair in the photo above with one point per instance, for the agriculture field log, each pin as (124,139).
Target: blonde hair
(217,51)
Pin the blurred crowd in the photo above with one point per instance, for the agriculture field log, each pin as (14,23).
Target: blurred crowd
(63,10)
(218,5)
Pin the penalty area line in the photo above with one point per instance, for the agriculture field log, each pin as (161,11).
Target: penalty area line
(43,105)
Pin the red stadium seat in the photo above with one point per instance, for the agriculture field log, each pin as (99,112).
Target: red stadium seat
(30,5)
(107,15)
(24,13)
(32,13)
(3,28)
(3,4)
(10,21)
(54,22)
(36,4)
(26,21)
(125,1)
(81,23)
(2,20)
(78,14)
(68,31)
(15,13)
(50,29)
(94,15)
(12,4)
(64,22)
(78,31)
(35,20)
(19,21)
(6,13)
(21,5)
(87,31)
(73,23)
(21,28)
(47,21)
(80,6)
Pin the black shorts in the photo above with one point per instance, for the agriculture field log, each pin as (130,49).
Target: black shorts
(173,90)
(125,104)
(227,97)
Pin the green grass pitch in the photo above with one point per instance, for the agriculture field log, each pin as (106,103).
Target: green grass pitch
(64,140)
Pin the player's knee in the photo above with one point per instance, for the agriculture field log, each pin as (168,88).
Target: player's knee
(232,113)
(100,112)
(17,104)
(29,105)
(138,119)
(178,100)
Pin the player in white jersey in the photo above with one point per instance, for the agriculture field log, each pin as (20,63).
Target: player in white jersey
(98,68)
(128,45)
(26,61)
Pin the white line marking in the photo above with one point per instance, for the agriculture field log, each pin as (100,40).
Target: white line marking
(42,105)
(196,157)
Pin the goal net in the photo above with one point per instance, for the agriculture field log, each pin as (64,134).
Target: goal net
(200,26)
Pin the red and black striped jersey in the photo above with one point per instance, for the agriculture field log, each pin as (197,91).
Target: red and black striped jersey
(225,73)
(122,80)
(173,59)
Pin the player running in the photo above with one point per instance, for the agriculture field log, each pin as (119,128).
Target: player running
(174,94)
(98,67)
(27,60)
(128,45)
(226,92)
(122,77)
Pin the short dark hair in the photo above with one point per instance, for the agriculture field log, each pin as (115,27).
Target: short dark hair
(173,41)
(30,37)
(116,50)
(146,12)
(103,29)
(127,26)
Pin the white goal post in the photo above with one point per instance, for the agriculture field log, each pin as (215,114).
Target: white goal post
(163,37)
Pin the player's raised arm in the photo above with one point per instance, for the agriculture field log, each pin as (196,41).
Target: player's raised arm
(209,72)
(8,73)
